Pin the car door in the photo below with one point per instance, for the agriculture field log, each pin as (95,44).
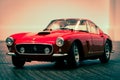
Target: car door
(97,39)
(86,38)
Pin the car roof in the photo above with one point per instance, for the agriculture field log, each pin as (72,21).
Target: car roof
(74,19)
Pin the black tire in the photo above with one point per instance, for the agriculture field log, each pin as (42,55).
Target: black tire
(106,55)
(73,56)
(18,62)
(59,63)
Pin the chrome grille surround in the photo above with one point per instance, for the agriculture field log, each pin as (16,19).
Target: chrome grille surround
(34,48)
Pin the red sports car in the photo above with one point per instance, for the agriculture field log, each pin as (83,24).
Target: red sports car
(64,40)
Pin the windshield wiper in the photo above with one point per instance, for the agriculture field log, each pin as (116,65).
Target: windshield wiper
(47,29)
(64,28)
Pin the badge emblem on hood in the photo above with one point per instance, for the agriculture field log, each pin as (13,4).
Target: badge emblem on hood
(35,48)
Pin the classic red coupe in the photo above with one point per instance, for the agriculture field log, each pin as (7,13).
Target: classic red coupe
(64,40)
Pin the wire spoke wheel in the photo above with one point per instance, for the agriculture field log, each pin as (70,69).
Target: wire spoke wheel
(107,51)
(76,53)
(106,56)
(73,56)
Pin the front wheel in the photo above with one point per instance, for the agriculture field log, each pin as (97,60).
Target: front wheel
(18,62)
(74,56)
(106,56)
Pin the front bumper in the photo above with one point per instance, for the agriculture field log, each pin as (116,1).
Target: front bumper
(11,54)
(38,57)
(59,55)
(54,55)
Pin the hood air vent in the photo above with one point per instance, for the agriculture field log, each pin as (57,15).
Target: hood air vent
(43,33)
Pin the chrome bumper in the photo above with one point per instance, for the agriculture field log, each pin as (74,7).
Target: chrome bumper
(11,54)
(59,55)
(54,55)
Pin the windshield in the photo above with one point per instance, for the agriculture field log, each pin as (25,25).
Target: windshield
(72,24)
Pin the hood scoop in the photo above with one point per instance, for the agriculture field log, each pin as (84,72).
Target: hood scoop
(44,33)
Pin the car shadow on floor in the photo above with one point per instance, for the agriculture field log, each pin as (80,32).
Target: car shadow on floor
(53,66)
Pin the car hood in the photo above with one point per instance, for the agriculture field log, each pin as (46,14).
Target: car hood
(41,37)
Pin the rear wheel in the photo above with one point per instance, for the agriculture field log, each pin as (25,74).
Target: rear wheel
(106,56)
(73,56)
(18,62)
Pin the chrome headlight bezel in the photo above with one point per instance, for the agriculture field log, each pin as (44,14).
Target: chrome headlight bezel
(59,41)
(9,41)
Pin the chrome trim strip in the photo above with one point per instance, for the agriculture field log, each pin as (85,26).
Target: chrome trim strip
(34,53)
(112,51)
(33,43)
(11,54)
(60,55)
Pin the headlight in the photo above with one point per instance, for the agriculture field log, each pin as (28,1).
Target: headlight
(9,41)
(60,41)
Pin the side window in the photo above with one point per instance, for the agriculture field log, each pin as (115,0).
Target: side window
(93,28)
(88,26)
(82,26)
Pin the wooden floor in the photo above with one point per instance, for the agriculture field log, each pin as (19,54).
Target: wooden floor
(88,70)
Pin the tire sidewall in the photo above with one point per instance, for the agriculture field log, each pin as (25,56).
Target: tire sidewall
(106,56)
(71,57)
(18,62)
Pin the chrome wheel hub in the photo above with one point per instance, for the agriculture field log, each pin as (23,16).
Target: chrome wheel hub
(107,51)
(76,53)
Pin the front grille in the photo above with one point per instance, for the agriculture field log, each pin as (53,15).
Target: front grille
(33,48)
